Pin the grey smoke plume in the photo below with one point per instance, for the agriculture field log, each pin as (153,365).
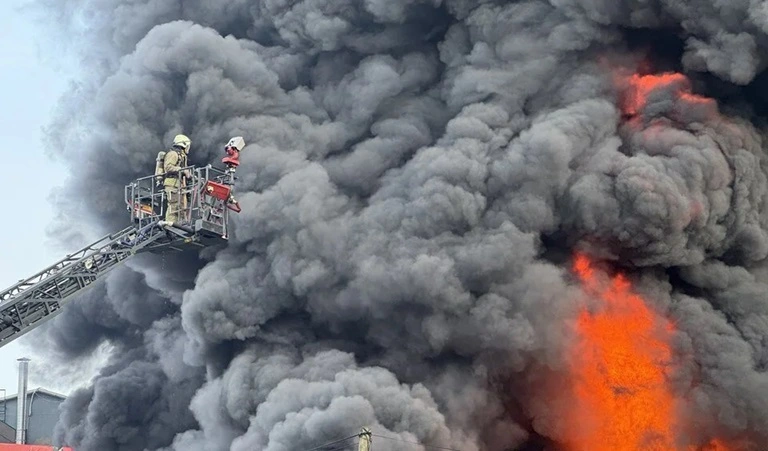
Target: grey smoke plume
(417,176)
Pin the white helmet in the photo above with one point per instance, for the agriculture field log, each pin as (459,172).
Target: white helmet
(237,142)
(182,142)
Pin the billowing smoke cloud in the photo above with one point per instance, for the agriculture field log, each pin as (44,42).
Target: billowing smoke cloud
(416,176)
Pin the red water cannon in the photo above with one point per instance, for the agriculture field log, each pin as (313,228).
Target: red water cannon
(232,149)
(233,157)
(232,161)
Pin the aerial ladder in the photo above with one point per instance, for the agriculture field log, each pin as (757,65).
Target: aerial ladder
(207,199)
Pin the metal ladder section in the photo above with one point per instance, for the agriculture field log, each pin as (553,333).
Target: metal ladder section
(34,301)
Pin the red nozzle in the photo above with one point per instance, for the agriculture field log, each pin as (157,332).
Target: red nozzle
(233,157)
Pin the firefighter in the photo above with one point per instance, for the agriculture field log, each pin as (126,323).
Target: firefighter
(175,179)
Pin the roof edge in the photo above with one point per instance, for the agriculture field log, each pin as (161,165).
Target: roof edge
(37,390)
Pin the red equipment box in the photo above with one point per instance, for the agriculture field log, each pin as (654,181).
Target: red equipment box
(217,190)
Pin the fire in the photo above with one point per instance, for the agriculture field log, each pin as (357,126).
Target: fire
(620,365)
(715,445)
(671,91)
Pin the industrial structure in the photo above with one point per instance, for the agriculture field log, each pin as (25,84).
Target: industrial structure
(42,415)
(29,416)
(203,220)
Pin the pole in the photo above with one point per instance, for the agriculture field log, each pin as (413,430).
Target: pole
(21,403)
(365,439)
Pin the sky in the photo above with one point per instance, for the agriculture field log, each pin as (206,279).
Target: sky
(29,89)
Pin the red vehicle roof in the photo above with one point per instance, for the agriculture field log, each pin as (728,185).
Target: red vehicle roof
(14,447)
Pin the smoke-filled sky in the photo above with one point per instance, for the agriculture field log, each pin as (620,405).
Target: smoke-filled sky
(417,177)
(30,85)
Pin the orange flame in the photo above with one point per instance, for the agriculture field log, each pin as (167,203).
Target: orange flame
(638,89)
(622,399)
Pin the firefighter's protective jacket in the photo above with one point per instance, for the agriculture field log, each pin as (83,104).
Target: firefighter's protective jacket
(172,164)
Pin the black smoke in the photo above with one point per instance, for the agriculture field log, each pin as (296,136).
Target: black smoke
(417,175)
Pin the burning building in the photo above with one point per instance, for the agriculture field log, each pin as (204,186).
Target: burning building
(485,225)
